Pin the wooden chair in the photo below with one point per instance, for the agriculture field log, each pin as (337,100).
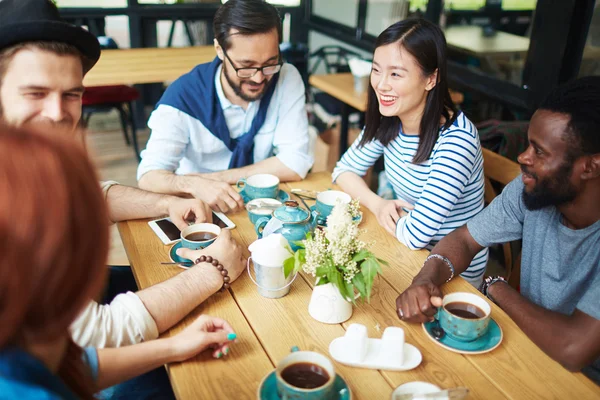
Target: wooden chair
(502,170)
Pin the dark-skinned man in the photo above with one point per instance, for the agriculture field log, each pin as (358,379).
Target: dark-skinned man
(554,207)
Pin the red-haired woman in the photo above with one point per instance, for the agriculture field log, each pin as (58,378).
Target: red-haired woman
(53,248)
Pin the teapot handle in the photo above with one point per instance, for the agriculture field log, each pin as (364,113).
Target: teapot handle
(259,226)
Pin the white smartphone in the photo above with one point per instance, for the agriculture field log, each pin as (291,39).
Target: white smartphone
(168,233)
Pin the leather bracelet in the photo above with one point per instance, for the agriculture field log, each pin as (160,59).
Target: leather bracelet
(445,260)
(215,263)
(489,281)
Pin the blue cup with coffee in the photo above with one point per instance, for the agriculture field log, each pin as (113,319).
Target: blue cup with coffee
(327,200)
(305,375)
(199,236)
(259,186)
(464,316)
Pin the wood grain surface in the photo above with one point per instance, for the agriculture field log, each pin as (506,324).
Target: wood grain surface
(268,328)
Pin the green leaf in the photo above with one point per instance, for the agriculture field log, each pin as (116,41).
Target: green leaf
(361,255)
(359,284)
(349,291)
(383,262)
(377,266)
(299,243)
(338,280)
(322,281)
(288,266)
(299,260)
(369,271)
(321,271)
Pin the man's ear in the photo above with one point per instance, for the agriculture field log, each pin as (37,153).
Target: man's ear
(218,49)
(591,168)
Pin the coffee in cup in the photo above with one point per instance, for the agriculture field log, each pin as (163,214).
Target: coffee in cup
(464,316)
(199,236)
(305,375)
(465,310)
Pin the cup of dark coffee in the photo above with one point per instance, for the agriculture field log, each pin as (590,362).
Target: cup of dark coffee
(199,236)
(305,375)
(464,316)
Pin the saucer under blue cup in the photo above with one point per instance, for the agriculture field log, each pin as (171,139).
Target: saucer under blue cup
(486,343)
(267,390)
(175,258)
(282,196)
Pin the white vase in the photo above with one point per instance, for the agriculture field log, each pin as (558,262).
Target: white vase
(328,306)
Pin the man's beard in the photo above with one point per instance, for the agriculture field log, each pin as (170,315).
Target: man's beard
(237,88)
(555,190)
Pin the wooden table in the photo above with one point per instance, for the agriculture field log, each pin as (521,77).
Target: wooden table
(151,65)
(469,39)
(341,86)
(268,328)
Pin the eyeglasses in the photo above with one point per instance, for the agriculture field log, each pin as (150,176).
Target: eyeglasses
(250,72)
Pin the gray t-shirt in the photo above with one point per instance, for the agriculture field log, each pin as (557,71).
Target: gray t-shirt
(560,267)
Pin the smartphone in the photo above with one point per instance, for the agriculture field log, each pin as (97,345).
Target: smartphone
(168,233)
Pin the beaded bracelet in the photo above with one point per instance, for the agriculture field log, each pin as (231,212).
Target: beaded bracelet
(218,266)
(489,281)
(445,260)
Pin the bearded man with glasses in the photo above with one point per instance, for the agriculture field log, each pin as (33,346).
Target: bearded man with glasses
(242,114)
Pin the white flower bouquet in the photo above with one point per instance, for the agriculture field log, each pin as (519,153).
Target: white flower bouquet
(335,254)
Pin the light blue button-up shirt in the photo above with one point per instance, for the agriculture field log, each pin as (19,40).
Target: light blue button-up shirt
(182,144)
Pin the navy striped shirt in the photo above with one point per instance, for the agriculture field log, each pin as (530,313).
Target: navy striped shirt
(446,190)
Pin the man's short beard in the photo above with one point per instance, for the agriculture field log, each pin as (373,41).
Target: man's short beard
(237,89)
(554,191)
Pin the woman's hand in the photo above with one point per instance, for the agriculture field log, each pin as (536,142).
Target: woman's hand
(388,212)
(205,332)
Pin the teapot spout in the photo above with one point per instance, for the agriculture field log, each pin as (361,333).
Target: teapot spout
(314,218)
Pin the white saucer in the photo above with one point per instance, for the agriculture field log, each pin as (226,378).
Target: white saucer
(417,388)
(376,357)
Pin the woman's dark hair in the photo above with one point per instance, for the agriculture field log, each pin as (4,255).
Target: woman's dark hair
(427,44)
(580,100)
(248,17)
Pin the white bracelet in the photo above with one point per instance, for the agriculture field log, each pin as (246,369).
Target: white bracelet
(444,259)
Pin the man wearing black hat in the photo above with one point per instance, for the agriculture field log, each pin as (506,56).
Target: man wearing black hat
(42,64)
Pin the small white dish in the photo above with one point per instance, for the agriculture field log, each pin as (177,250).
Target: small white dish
(362,352)
(417,387)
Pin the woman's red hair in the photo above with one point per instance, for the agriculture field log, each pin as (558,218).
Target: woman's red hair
(53,240)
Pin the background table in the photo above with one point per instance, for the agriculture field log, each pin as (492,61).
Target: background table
(469,39)
(151,65)
(268,328)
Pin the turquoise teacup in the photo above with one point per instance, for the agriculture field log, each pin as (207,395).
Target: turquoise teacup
(259,186)
(199,236)
(329,198)
(464,316)
(256,208)
(296,361)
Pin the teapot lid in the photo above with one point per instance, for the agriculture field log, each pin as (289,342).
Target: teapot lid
(291,212)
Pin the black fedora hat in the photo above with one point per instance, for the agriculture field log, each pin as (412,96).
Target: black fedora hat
(38,20)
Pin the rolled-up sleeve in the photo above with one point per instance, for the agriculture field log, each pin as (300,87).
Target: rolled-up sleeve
(168,140)
(123,322)
(291,138)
